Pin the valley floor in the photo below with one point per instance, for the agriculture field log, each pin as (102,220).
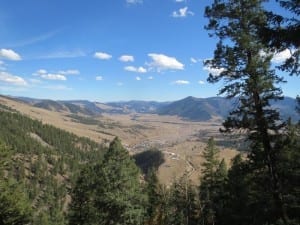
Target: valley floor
(181,141)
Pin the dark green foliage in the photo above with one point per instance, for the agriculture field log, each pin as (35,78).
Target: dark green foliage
(282,32)
(111,192)
(289,169)
(184,207)
(154,203)
(14,204)
(238,196)
(44,161)
(212,185)
(247,76)
(82,210)
(149,159)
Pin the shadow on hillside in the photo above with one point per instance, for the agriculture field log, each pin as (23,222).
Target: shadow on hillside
(149,159)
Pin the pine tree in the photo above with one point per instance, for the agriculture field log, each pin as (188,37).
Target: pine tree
(282,32)
(111,193)
(244,61)
(14,205)
(81,209)
(239,191)
(183,201)
(212,183)
(154,197)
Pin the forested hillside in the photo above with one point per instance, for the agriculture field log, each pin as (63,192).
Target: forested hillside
(44,161)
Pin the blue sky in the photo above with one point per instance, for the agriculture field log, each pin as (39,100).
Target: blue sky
(107,50)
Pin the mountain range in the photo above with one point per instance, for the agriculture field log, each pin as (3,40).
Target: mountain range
(189,108)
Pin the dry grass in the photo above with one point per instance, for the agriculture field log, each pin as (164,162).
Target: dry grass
(181,141)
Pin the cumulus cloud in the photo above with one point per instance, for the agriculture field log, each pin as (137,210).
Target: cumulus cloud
(280,57)
(53,76)
(181,82)
(201,82)
(126,58)
(12,79)
(99,78)
(182,12)
(50,76)
(180,0)
(41,71)
(102,55)
(150,78)
(9,54)
(60,75)
(135,69)
(162,62)
(138,78)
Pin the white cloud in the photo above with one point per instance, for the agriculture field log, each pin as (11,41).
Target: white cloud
(60,75)
(138,78)
(126,58)
(150,78)
(52,76)
(281,56)
(12,79)
(120,84)
(135,69)
(9,54)
(49,76)
(99,78)
(214,71)
(69,72)
(181,82)
(180,0)
(201,82)
(41,71)
(134,1)
(162,62)
(102,55)
(182,12)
